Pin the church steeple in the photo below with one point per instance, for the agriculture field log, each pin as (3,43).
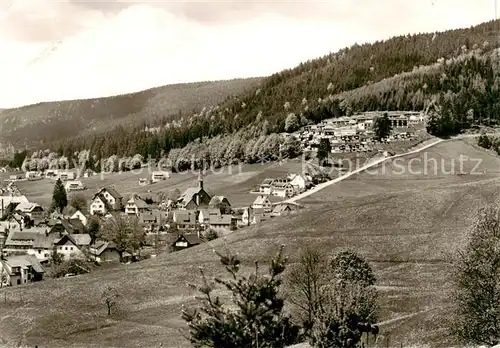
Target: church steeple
(200,181)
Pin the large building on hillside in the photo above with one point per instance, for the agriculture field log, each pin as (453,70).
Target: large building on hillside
(194,198)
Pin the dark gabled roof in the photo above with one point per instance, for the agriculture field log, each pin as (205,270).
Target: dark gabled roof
(100,246)
(188,195)
(148,217)
(185,216)
(73,225)
(191,238)
(111,191)
(77,239)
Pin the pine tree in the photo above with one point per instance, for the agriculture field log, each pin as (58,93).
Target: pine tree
(59,197)
(257,319)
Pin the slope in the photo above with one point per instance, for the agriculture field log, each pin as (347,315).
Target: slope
(51,121)
(407,229)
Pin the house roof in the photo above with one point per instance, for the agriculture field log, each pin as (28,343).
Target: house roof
(282,185)
(279,208)
(76,239)
(27,206)
(185,216)
(188,195)
(139,203)
(267,182)
(261,199)
(12,199)
(81,239)
(26,237)
(43,241)
(220,220)
(191,238)
(24,261)
(100,246)
(111,191)
(209,212)
(73,182)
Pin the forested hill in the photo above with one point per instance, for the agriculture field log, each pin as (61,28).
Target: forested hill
(51,121)
(405,72)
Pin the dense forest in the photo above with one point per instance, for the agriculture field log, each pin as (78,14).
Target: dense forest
(454,75)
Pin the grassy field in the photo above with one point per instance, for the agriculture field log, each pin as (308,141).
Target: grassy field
(407,225)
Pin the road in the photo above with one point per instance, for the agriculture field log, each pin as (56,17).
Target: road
(377,162)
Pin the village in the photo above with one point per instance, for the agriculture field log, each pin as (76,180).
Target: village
(30,234)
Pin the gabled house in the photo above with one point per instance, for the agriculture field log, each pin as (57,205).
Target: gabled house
(72,245)
(221,203)
(262,202)
(33,210)
(186,240)
(21,269)
(73,185)
(105,201)
(148,218)
(194,198)
(266,187)
(43,246)
(102,251)
(205,214)
(299,182)
(22,241)
(222,223)
(284,208)
(283,190)
(136,205)
(185,219)
(80,216)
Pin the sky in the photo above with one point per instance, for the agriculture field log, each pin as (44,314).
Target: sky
(70,49)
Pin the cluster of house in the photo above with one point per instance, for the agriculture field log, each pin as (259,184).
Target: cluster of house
(193,213)
(355,133)
(68,177)
(28,238)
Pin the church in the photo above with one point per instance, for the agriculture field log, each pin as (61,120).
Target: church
(194,198)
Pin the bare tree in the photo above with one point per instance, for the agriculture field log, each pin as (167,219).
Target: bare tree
(304,283)
(110,298)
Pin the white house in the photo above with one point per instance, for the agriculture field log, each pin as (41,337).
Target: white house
(80,216)
(299,182)
(283,190)
(159,176)
(266,187)
(74,185)
(135,205)
(72,245)
(66,176)
(262,202)
(204,215)
(107,199)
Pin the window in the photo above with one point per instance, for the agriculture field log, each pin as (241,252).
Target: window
(18,281)
(70,248)
(65,248)
(39,251)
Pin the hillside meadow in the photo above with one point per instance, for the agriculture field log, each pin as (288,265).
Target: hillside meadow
(407,227)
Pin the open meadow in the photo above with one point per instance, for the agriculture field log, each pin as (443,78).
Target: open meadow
(407,224)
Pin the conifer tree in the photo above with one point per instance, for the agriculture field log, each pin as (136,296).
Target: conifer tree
(257,319)
(59,196)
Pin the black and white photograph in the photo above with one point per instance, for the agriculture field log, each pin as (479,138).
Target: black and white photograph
(249,174)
